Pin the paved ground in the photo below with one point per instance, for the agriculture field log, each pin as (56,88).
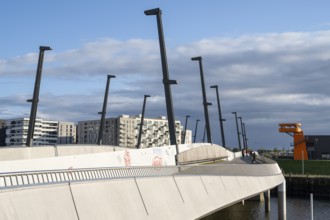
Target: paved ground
(248,160)
(245,160)
(237,167)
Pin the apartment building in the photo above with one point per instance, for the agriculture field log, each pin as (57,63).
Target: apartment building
(188,138)
(124,130)
(46,132)
(66,133)
(88,131)
(2,133)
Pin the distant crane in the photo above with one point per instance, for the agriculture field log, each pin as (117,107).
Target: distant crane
(295,131)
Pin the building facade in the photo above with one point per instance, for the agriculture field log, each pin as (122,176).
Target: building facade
(88,131)
(66,133)
(2,133)
(124,131)
(188,138)
(46,132)
(318,146)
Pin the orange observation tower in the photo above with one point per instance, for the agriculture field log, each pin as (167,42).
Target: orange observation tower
(294,130)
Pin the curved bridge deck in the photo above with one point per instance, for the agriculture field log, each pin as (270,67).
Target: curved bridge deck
(173,192)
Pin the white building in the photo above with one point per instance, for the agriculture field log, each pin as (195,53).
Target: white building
(66,133)
(124,131)
(188,139)
(45,132)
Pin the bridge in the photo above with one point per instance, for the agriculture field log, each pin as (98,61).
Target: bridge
(107,182)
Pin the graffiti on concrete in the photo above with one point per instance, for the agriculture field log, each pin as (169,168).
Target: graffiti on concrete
(127,158)
(157,161)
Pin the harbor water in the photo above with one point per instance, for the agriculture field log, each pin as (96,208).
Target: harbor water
(297,208)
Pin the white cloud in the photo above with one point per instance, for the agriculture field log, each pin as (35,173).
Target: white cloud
(266,78)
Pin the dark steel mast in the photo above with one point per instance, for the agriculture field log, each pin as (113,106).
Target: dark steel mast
(35,99)
(104,110)
(205,103)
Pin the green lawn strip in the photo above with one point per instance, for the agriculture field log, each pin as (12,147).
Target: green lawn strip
(312,167)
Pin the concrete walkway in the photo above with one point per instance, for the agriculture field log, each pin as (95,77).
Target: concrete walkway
(247,160)
(194,192)
(187,192)
(236,167)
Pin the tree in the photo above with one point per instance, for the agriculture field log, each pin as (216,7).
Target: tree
(275,150)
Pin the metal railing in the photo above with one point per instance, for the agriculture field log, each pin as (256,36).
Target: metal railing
(26,179)
(47,177)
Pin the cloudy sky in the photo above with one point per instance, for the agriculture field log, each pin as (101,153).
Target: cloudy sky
(271,60)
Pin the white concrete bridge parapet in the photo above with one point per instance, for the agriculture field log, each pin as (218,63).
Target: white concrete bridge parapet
(14,159)
(101,185)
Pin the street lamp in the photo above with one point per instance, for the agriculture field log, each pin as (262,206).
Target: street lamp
(204,134)
(243,134)
(196,130)
(205,103)
(104,109)
(166,81)
(246,143)
(35,99)
(220,116)
(185,130)
(239,139)
(141,123)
